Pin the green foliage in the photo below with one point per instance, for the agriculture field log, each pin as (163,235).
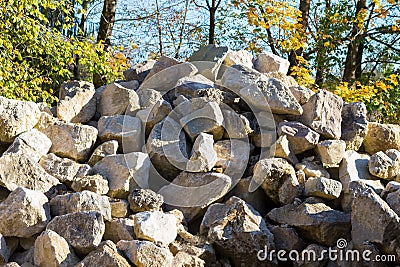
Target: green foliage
(36,58)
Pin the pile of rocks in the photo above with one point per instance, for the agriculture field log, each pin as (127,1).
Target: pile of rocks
(250,162)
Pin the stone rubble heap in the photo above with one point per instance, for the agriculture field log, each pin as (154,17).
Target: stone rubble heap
(70,175)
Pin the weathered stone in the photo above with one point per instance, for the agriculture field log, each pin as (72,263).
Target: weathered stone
(278,179)
(106,254)
(119,208)
(286,238)
(373,220)
(241,238)
(354,124)
(208,119)
(145,200)
(194,245)
(105,149)
(242,57)
(23,258)
(268,62)
(71,140)
(314,256)
(145,253)
(139,71)
(260,92)
(64,169)
(167,151)
(300,137)
(323,114)
(183,259)
(161,64)
(312,169)
(323,187)
(282,150)
(191,193)
(331,152)
(124,172)
(94,183)
(301,93)
(385,165)
(82,230)
(192,86)
(391,187)
(154,113)
(167,78)
(32,144)
(119,229)
(236,125)
(24,213)
(208,59)
(393,200)
(53,250)
(354,167)
(131,85)
(19,170)
(289,81)
(155,226)
(381,137)
(314,221)
(77,101)
(256,198)
(81,201)
(203,156)
(16,117)
(125,129)
(232,155)
(117,100)
(7,248)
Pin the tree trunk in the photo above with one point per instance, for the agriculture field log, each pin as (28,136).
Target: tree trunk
(320,73)
(211,30)
(354,49)
(182,29)
(305,11)
(159,29)
(105,32)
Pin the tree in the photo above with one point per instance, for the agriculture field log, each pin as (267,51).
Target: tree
(212,11)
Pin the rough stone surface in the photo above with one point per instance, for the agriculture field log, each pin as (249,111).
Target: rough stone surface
(82,230)
(19,170)
(208,59)
(286,238)
(106,254)
(331,152)
(236,125)
(237,231)
(70,140)
(77,102)
(283,150)
(323,187)
(139,71)
(315,221)
(354,167)
(145,253)
(119,229)
(167,78)
(155,226)
(268,62)
(253,87)
(381,137)
(32,144)
(119,208)
(200,190)
(53,250)
(385,165)
(24,213)
(354,124)
(312,169)
(278,179)
(168,152)
(145,200)
(94,183)
(242,57)
(300,137)
(105,149)
(64,169)
(125,129)
(81,201)
(16,117)
(203,156)
(116,100)
(124,172)
(161,64)
(322,113)
(301,93)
